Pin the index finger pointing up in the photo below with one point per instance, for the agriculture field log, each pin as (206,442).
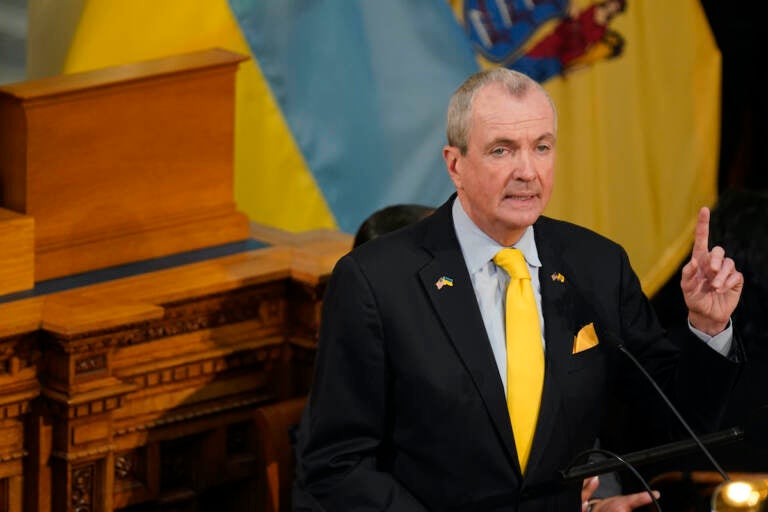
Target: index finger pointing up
(701,235)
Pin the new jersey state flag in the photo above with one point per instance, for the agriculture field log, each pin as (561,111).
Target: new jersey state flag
(341,110)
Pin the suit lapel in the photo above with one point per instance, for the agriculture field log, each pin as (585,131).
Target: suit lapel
(457,309)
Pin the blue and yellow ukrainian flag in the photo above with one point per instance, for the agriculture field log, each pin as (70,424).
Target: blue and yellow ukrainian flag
(341,110)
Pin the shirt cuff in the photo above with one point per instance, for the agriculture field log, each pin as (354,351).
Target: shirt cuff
(720,342)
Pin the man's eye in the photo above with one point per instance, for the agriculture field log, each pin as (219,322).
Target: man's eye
(542,148)
(498,151)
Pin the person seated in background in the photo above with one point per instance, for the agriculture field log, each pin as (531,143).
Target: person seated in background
(466,359)
(389,219)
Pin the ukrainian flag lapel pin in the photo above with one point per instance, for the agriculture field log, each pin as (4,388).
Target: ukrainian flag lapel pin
(557,276)
(444,281)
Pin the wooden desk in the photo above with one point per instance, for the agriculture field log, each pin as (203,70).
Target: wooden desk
(140,393)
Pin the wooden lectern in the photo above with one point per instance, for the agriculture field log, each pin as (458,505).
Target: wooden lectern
(141,391)
(123,164)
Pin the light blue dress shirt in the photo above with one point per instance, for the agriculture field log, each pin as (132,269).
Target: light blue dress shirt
(490,284)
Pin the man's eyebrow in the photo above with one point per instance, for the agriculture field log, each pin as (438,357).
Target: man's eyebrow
(503,141)
(546,136)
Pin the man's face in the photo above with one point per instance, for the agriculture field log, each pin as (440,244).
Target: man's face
(505,179)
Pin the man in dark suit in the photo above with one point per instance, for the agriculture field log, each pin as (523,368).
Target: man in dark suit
(409,405)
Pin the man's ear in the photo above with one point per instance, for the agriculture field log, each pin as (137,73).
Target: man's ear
(452,157)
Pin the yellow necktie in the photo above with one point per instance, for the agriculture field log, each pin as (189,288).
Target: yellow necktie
(525,355)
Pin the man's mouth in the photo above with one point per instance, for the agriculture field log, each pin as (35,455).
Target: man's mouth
(521,197)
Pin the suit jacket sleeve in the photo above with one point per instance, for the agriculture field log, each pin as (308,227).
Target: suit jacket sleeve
(348,414)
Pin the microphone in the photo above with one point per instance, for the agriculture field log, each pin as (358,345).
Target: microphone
(752,434)
(649,455)
(619,345)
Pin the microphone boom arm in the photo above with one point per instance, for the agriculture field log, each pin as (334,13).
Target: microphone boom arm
(662,452)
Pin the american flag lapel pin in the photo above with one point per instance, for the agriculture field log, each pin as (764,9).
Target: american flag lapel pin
(444,281)
(557,276)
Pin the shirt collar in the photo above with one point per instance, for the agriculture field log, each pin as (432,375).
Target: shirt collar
(478,248)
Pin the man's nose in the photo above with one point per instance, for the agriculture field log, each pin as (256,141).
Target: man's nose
(524,168)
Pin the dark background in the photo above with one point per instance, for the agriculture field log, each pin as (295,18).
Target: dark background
(744,104)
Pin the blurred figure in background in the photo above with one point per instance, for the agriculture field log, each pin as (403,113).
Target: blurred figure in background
(389,219)
(740,225)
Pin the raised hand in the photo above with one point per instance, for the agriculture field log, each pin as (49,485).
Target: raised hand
(710,282)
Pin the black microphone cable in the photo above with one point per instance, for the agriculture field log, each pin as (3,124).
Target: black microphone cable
(587,453)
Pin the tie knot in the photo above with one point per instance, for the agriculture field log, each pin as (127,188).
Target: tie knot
(513,262)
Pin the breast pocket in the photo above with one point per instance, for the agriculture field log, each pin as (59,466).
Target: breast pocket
(586,375)
(593,358)
(584,393)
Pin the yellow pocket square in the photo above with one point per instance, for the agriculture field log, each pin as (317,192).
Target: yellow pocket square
(585,339)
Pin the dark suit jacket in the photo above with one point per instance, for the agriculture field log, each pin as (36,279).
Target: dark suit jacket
(407,411)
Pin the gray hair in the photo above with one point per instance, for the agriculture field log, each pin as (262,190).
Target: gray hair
(460,107)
